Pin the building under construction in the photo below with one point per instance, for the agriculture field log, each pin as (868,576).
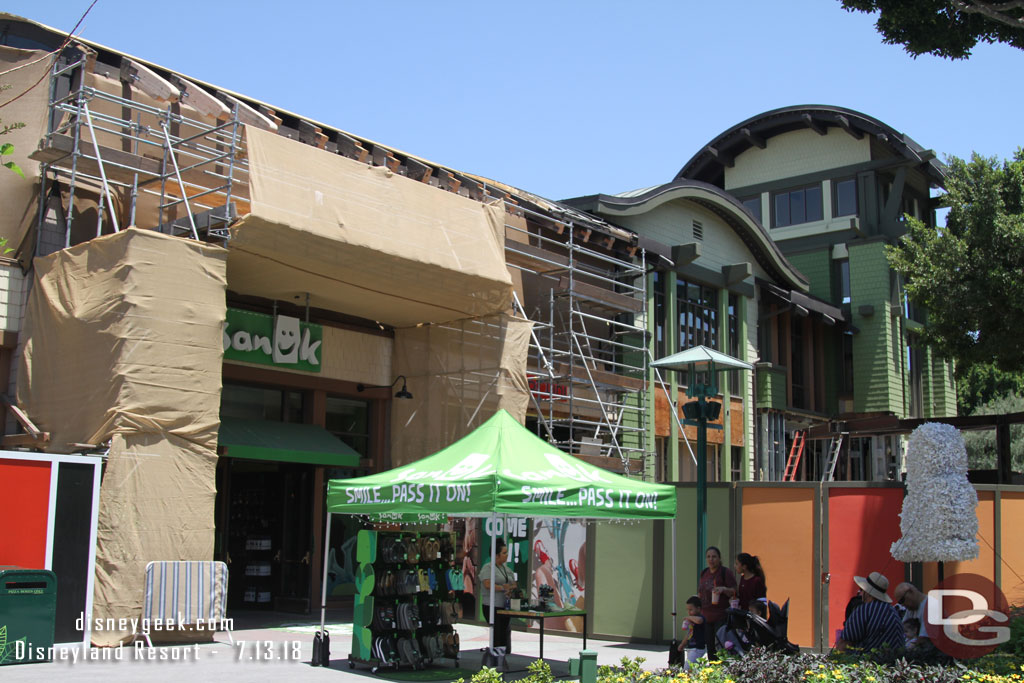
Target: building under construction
(221,299)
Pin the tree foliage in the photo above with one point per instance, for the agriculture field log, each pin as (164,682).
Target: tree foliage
(946,28)
(968,274)
(977,385)
(981,443)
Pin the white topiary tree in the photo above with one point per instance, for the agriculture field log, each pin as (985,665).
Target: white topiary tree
(939,521)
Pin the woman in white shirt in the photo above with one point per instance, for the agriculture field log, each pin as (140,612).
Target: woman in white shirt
(504,581)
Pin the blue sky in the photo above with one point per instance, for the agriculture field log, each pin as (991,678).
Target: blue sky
(561,98)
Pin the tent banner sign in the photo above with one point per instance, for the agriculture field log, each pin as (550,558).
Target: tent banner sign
(502,468)
(281,341)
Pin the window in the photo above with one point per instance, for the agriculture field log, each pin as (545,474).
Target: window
(844,194)
(753,205)
(349,421)
(698,318)
(698,315)
(846,380)
(802,205)
(843,280)
(260,403)
(796,355)
(660,343)
(734,341)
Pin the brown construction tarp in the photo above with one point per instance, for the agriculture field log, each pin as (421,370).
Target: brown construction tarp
(459,374)
(26,72)
(124,343)
(364,240)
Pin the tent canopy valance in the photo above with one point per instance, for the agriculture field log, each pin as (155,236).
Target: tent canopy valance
(502,468)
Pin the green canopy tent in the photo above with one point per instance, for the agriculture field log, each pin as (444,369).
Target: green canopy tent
(499,468)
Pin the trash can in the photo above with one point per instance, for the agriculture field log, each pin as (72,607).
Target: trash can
(28,613)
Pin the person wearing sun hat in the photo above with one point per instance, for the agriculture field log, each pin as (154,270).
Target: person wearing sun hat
(874,625)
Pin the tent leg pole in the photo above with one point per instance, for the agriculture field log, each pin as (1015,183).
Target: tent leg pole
(494,547)
(674,579)
(323,585)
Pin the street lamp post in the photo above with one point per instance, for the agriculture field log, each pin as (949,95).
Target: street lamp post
(699,413)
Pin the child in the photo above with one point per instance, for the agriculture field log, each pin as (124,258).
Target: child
(692,644)
(912,629)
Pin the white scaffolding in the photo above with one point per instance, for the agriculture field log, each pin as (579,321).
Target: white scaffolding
(588,363)
(167,167)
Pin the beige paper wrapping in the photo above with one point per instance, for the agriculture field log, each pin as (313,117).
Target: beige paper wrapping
(123,342)
(459,374)
(21,195)
(363,240)
(123,333)
(157,503)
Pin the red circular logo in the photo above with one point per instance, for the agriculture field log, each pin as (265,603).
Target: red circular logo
(966,616)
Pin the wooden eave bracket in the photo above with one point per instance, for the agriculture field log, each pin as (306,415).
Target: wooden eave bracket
(737,272)
(312,135)
(753,138)
(845,124)
(247,114)
(723,158)
(418,170)
(200,100)
(148,82)
(814,124)
(353,149)
(32,437)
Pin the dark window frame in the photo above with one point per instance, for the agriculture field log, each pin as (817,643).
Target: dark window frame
(796,202)
(836,211)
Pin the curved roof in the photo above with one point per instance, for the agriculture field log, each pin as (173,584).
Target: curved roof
(712,198)
(709,163)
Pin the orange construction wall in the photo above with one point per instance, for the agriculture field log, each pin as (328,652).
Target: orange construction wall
(862,525)
(985,563)
(1011,549)
(25,492)
(778,527)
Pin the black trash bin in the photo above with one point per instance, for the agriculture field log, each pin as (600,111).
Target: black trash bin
(28,613)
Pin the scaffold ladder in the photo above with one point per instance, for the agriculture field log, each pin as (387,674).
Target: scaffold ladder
(833,457)
(795,452)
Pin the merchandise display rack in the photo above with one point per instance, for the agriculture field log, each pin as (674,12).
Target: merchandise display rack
(405,606)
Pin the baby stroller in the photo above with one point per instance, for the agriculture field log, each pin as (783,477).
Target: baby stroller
(745,630)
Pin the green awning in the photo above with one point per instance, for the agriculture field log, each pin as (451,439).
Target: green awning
(284,441)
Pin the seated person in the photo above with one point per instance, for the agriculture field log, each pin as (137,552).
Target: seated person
(915,602)
(911,627)
(874,625)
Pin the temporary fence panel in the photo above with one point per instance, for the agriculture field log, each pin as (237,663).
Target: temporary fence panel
(779,525)
(57,500)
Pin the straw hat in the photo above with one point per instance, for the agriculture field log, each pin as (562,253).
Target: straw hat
(874,585)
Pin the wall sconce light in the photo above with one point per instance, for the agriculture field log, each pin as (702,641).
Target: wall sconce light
(401,393)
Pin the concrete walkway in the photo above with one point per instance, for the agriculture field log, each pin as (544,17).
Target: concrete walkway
(275,647)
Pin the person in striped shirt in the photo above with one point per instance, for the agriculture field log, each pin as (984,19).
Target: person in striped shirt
(874,625)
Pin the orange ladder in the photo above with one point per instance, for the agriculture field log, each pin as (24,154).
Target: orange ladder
(795,451)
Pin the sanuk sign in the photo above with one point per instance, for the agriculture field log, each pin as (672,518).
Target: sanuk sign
(280,341)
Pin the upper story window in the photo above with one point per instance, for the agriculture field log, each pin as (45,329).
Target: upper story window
(660,312)
(844,197)
(753,205)
(801,205)
(843,280)
(698,315)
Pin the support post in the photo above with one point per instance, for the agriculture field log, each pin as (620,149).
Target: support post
(323,585)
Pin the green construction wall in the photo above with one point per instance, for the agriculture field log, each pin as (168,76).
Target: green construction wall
(878,380)
(622,597)
(719,533)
